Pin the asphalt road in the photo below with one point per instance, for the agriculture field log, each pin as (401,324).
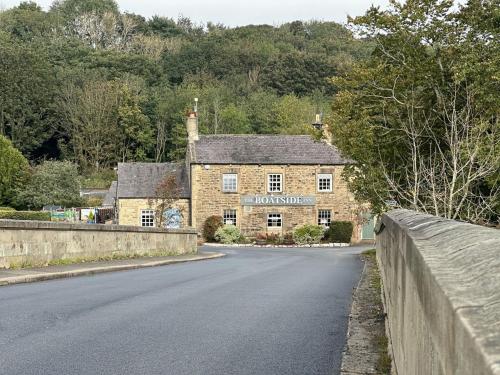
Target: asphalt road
(257,311)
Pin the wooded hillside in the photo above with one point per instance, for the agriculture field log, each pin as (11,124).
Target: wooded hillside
(87,83)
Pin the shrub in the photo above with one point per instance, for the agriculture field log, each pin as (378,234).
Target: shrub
(25,215)
(308,234)
(6,209)
(228,234)
(14,171)
(99,180)
(94,202)
(261,236)
(210,227)
(273,238)
(52,183)
(288,239)
(340,231)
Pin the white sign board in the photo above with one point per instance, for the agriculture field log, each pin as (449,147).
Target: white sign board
(277,200)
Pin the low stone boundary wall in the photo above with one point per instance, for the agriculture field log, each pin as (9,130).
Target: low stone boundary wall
(441,286)
(38,243)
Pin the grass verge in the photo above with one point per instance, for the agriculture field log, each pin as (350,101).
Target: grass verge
(376,312)
(70,261)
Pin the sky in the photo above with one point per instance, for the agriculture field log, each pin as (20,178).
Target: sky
(239,12)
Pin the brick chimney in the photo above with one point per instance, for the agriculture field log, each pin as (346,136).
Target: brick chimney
(192,127)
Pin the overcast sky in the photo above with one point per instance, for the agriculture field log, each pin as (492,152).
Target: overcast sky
(239,12)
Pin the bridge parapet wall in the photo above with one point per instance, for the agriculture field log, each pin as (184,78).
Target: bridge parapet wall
(441,290)
(38,243)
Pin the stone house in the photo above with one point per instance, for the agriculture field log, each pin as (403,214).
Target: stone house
(260,183)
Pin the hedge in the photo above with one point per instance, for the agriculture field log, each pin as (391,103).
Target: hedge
(25,215)
(6,209)
(340,231)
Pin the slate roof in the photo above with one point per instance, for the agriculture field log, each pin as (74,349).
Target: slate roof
(265,149)
(109,198)
(140,180)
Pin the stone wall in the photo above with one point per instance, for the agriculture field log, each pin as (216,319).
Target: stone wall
(208,198)
(37,243)
(441,286)
(129,210)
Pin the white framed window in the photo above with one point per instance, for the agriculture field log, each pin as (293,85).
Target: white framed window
(325,182)
(229,182)
(324,217)
(275,183)
(274,220)
(229,217)
(147,218)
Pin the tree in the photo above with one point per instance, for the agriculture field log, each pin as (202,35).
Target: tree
(135,130)
(167,193)
(260,107)
(29,94)
(28,22)
(294,115)
(420,116)
(234,120)
(163,27)
(92,122)
(299,74)
(52,183)
(14,171)
(107,31)
(71,9)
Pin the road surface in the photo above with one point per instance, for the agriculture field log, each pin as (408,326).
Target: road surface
(256,311)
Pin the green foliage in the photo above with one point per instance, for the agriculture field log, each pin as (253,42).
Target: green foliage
(25,215)
(210,227)
(27,22)
(308,234)
(6,209)
(74,8)
(228,234)
(52,183)
(87,83)
(93,202)
(29,88)
(135,129)
(420,115)
(14,171)
(299,74)
(99,180)
(340,232)
(164,27)
(275,239)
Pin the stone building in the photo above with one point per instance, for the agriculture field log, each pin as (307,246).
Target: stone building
(260,183)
